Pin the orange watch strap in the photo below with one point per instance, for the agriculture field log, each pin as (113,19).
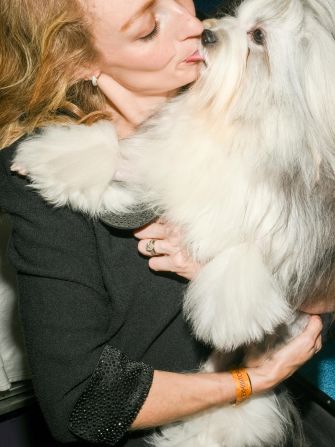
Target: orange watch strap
(242,383)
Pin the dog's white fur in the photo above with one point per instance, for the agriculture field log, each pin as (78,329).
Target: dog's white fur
(244,162)
(75,165)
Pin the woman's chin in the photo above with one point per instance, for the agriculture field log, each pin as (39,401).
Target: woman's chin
(190,72)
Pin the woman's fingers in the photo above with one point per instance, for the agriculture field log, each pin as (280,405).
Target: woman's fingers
(318,344)
(162,242)
(152,231)
(159,238)
(322,305)
(159,230)
(167,257)
(156,247)
(282,363)
(179,263)
(312,332)
(303,347)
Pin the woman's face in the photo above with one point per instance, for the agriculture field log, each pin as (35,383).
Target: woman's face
(146,45)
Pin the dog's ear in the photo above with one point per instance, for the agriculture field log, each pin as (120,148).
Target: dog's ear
(324,12)
(318,62)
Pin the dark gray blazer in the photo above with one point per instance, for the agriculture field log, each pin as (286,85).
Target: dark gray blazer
(96,320)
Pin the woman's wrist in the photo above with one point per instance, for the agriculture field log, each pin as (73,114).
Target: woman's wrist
(241,384)
(235,386)
(226,389)
(261,380)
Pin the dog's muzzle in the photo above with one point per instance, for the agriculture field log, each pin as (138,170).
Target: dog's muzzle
(208,37)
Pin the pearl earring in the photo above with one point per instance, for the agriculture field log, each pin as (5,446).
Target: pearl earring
(94,81)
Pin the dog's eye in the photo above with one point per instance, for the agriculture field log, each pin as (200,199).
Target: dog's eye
(258,36)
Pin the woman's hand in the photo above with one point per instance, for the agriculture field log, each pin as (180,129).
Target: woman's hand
(320,306)
(272,368)
(168,254)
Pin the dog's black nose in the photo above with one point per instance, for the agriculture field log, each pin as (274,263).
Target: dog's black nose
(208,37)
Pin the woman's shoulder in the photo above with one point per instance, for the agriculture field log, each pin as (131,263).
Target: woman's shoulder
(17,195)
(46,240)
(19,198)
(6,157)
(7,189)
(60,153)
(72,164)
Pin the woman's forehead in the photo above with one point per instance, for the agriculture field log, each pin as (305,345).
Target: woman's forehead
(118,14)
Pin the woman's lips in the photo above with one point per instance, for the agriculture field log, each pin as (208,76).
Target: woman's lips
(195,57)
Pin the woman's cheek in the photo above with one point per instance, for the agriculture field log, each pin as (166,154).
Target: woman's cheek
(154,59)
(162,59)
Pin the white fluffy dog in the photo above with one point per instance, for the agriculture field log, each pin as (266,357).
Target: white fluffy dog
(244,163)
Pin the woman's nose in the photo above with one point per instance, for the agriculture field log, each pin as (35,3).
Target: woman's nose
(192,26)
(208,37)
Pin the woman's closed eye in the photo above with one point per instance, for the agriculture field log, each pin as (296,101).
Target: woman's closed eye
(153,33)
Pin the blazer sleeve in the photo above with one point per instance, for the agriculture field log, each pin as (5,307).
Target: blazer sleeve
(87,389)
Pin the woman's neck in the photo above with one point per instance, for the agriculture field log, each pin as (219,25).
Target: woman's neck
(130,109)
(131,113)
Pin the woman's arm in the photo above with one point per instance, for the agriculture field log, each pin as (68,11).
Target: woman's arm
(202,391)
(69,319)
(174,396)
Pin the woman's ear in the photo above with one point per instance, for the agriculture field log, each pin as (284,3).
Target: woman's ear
(87,74)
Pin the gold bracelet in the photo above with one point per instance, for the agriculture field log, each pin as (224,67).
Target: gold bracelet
(242,383)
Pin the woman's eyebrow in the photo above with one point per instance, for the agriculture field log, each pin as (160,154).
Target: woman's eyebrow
(148,4)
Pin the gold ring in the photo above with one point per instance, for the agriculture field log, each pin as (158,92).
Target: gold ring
(150,247)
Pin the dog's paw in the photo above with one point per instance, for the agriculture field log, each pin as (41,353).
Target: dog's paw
(75,165)
(234,300)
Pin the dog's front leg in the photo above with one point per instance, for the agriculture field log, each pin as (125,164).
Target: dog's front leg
(76,166)
(234,300)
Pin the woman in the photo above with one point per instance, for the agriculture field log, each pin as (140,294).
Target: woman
(105,336)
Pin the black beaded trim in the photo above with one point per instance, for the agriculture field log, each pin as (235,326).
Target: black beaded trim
(112,399)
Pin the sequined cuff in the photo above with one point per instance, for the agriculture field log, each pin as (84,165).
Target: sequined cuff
(112,399)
